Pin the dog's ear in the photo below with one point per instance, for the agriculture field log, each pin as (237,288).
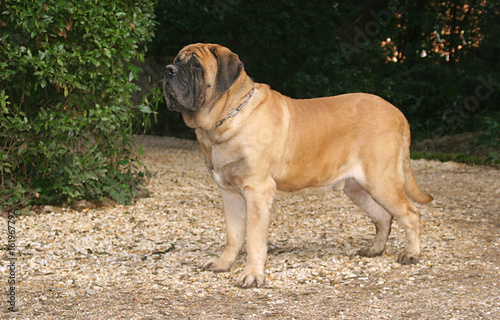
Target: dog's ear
(229,68)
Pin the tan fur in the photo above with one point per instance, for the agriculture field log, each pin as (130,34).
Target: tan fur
(355,142)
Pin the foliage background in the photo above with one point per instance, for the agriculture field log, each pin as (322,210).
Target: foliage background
(326,47)
(65,99)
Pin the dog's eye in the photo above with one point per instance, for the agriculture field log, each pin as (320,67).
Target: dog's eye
(197,65)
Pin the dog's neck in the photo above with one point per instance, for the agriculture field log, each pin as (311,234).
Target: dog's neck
(235,111)
(208,118)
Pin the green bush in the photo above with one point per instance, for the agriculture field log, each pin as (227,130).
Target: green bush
(65,109)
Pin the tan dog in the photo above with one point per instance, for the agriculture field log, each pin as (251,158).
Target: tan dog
(257,141)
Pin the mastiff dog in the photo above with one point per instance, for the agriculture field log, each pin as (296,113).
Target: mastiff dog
(257,141)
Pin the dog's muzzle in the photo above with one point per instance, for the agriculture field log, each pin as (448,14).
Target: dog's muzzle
(171,72)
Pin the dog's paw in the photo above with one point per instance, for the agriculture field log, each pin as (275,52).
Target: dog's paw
(216,265)
(407,258)
(249,279)
(370,252)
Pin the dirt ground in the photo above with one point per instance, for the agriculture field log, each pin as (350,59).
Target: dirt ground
(143,261)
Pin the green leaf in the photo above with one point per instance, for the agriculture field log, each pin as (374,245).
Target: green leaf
(107,52)
(145,109)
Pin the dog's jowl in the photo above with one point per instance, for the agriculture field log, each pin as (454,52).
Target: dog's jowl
(257,141)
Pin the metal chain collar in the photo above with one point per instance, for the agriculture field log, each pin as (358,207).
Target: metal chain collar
(235,111)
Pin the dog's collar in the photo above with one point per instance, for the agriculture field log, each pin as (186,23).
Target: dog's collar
(236,110)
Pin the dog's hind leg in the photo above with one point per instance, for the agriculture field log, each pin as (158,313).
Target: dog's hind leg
(390,194)
(380,217)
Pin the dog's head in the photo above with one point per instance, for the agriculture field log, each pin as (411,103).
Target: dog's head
(199,75)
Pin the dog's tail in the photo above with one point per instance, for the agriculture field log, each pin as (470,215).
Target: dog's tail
(412,189)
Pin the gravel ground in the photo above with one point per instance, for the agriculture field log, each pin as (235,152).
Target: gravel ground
(143,261)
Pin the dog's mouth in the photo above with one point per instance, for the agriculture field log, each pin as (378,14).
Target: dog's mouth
(171,98)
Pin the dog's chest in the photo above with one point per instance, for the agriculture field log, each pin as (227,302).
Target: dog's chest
(219,167)
(219,179)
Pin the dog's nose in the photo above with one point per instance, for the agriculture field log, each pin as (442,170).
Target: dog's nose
(171,70)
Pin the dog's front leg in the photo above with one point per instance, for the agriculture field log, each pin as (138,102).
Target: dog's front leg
(235,219)
(259,201)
